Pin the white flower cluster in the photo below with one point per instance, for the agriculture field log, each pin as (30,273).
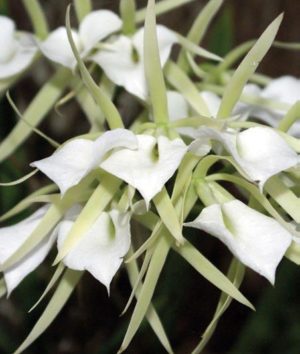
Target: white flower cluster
(145,159)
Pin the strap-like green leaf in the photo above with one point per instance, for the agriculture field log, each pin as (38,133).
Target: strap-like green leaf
(60,297)
(111,113)
(153,70)
(247,68)
(161,7)
(36,111)
(58,272)
(199,28)
(82,8)
(37,17)
(181,82)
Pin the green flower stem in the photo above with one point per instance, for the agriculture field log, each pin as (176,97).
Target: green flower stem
(127,12)
(37,17)
(82,8)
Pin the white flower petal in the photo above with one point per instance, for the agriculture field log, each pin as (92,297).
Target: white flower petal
(258,241)
(177,106)
(57,47)
(118,64)
(260,151)
(71,163)
(101,250)
(8,43)
(147,169)
(12,237)
(96,26)
(212,101)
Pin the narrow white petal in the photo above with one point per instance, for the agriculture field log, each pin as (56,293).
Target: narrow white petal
(96,26)
(258,241)
(8,43)
(57,47)
(69,164)
(101,250)
(12,237)
(118,64)
(150,166)
(260,151)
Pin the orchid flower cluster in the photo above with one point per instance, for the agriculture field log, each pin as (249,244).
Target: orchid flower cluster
(198,126)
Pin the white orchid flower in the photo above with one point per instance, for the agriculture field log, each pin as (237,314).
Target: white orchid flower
(95,27)
(259,151)
(77,158)
(12,237)
(17,49)
(258,241)
(101,250)
(144,162)
(123,59)
(148,167)
(285,89)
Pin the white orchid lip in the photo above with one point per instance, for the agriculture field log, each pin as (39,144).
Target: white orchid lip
(101,250)
(77,158)
(18,49)
(95,27)
(260,151)
(123,61)
(258,241)
(148,167)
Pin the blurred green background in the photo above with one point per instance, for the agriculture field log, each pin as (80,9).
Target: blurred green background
(90,323)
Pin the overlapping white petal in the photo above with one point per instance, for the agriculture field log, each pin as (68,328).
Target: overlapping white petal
(148,167)
(285,89)
(101,250)
(258,241)
(123,60)
(95,27)
(12,237)
(17,49)
(259,151)
(71,163)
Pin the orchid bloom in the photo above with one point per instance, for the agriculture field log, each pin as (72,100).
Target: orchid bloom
(123,59)
(258,241)
(95,27)
(17,49)
(100,250)
(144,162)
(285,89)
(259,151)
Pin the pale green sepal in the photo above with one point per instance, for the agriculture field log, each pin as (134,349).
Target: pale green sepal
(210,272)
(60,297)
(181,82)
(26,202)
(82,8)
(102,195)
(127,12)
(47,223)
(199,28)
(157,262)
(196,50)
(284,197)
(161,7)
(151,314)
(290,118)
(153,69)
(3,289)
(58,272)
(37,17)
(247,68)
(111,113)
(19,180)
(235,274)
(168,215)
(35,112)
